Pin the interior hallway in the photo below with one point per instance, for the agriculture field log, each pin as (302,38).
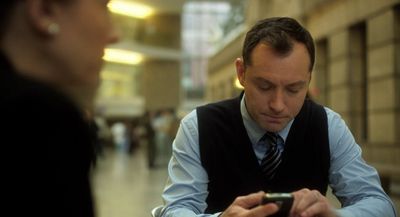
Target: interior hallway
(124,186)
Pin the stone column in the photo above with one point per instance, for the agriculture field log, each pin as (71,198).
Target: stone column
(319,81)
(161,75)
(384,86)
(346,78)
(338,73)
(161,84)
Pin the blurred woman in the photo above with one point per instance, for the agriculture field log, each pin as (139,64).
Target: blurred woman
(50,58)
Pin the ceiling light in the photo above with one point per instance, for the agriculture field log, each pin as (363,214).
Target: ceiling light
(122,56)
(131,9)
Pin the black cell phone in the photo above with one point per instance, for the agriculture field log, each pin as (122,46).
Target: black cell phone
(283,200)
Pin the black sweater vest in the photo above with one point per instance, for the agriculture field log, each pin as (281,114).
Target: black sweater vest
(232,167)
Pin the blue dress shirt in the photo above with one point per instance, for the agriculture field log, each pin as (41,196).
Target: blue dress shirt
(355,184)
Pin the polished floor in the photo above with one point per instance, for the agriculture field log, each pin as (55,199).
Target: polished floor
(125,187)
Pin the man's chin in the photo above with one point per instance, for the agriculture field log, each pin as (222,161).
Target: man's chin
(273,126)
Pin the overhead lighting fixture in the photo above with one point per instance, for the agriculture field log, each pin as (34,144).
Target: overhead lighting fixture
(122,56)
(131,9)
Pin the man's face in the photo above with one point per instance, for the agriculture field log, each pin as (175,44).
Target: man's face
(275,85)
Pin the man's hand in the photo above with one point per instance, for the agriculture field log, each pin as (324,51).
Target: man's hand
(248,206)
(310,203)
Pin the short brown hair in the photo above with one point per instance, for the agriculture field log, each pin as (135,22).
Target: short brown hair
(6,9)
(280,33)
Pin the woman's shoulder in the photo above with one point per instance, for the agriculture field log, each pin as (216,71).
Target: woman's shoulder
(29,96)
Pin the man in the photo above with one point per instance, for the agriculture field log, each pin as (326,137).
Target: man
(270,139)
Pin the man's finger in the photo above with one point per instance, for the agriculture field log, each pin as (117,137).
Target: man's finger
(264,210)
(250,200)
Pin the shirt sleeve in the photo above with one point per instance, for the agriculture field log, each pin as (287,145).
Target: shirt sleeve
(186,190)
(353,181)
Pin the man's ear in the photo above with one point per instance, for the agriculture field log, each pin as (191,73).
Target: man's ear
(41,15)
(240,70)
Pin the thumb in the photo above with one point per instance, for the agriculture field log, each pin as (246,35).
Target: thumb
(264,210)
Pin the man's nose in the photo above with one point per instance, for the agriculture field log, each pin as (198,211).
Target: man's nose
(277,101)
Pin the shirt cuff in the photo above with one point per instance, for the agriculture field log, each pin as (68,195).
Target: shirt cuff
(343,213)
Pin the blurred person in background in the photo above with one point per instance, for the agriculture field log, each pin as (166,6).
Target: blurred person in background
(162,123)
(104,135)
(147,122)
(172,128)
(50,59)
(120,135)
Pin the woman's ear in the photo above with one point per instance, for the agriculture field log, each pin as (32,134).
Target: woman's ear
(42,16)
(240,70)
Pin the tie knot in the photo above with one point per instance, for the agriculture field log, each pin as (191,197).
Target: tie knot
(270,137)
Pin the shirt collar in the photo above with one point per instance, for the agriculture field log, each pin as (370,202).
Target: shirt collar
(254,131)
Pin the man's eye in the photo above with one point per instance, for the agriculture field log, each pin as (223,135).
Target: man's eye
(265,87)
(293,90)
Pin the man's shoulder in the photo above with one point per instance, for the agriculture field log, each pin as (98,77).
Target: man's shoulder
(190,117)
(334,118)
(219,108)
(220,104)
(218,111)
(330,113)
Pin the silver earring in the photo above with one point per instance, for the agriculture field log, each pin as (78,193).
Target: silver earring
(53,29)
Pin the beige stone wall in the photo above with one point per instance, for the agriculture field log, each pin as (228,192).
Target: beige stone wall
(161,84)
(162,30)
(383,72)
(333,15)
(161,77)
(222,72)
(333,21)
(319,78)
(221,84)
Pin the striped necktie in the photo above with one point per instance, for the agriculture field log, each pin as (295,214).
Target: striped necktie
(272,157)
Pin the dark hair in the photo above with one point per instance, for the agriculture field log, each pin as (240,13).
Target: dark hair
(280,33)
(7,7)
(6,10)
